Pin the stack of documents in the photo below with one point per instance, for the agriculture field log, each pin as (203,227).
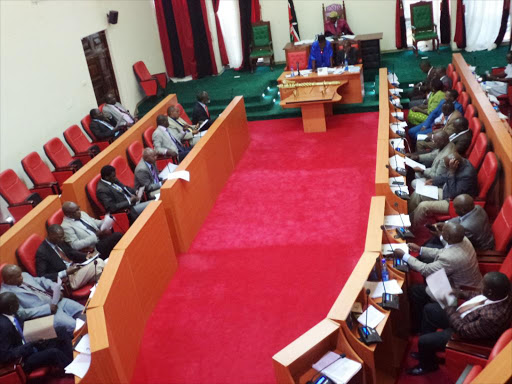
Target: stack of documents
(374,317)
(393,78)
(414,164)
(397,221)
(397,161)
(387,249)
(395,91)
(80,365)
(398,126)
(396,103)
(397,143)
(377,288)
(340,370)
(398,115)
(439,286)
(427,190)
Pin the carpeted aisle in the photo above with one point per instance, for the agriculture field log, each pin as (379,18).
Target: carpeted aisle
(270,260)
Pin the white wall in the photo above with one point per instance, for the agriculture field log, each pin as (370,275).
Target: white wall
(45,82)
(363,16)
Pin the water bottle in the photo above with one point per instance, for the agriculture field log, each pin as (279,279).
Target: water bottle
(346,65)
(384,270)
(293,74)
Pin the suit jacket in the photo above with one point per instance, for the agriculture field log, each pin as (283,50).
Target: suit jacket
(351,57)
(49,263)
(77,235)
(101,131)
(458,260)
(199,115)
(478,228)
(32,305)
(487,322)
(117,113)
(463,181)
(434,161)
(11,344)
(448,127)
(178,132)
(463,141)
(112,200)
(163,143)
(144,177)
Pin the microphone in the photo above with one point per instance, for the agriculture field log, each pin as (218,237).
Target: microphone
(403,232)
(398,264)
(368,334)
(325,380)
(389,301)
(298,69)
(402,194)
(95,262)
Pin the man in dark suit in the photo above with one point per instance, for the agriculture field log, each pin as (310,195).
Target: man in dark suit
(347,53)
(200,112)
(103,128)
(146,173)
(484,317)
(115,196)
(54,258)
(462,135)
(57,352)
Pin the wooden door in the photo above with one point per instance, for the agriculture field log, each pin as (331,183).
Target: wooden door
(100,66)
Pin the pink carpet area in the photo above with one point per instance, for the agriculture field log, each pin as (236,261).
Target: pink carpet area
(271,258)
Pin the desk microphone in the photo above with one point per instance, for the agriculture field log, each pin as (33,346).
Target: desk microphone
(389,301)
(95,262)
(398,264)
(402,194)
(324,379)
(403,232)
(368,334)
(298,69)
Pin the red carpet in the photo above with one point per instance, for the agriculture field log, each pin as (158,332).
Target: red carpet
(270,260)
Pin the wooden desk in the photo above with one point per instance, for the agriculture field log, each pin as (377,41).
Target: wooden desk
(499,370)
(375,236)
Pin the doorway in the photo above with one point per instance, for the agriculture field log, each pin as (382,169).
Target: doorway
(100,66)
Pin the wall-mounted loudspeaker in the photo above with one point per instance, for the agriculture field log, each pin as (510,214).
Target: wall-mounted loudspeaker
(112,17)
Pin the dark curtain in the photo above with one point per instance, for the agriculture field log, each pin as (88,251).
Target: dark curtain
(400,32)
(460,29)
(220,37)
(245,26)
(255,11)
(445,22)
(504,21)
(203,51)
(170,45)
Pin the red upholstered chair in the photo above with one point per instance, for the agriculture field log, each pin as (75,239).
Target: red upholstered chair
(464,100)
(300,57)
(161,161)
(86,122)
(61,158)
(26,253)
(475,125)
(123,171)
(134,153)
(493,263)
(459,87)
(56,218)
(76,139)
(12,373)
(20,199)
(479,150)
(4,227)
(455,77)
(470,112)
(183,114)
(449,70)
(502,226)
(40,174)
(152,85)
(121,222)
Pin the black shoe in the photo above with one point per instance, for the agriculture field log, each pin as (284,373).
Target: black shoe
(419,370)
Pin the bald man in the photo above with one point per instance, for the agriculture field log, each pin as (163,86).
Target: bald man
(146,173)
(81,231)
(179,128)
(457,258)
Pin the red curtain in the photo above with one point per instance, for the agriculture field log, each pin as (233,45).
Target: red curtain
(400,35)
(185,37)
(255,11)
(504,20)
(220,37)
(164,38)
(460,29)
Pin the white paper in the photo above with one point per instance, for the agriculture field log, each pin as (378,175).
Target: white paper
(439,285)
(387,248)
(395,91)
(393,78)
(157,196)
(326,359)
(398,126)
(397,143)
(88,261)
(79,366)
(169,168)
(377,289)
(84,345)
(201,134)
(374,317)
(397,220)
(56,291)
(398,115)
(107,223)
(203,123)
(93,289)
(413,164)
(401,188)
(354,69)
(343,370)
(427,190)
(349,37)
(399,179)
(79,324)
(322,71)
(397,161)
(39,329)
(493,99)
(396,103)
(421,137)
(184,175)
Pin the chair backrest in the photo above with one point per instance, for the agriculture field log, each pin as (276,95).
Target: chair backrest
(90,191)
(76,139)
(480,148)
(183,114)
(475,125)
(55,218)
(340,9)
(26,253)
(449,70)
(123,171)
(464,100)
(422,16)
(502,226)
(12,188)
(506,266)
(86,122)
(141,71)
(57,153)
(147,137)
(134,153)
(261,34)
(487,174)
(36,170)
(497,70)
(101,107)
(300,57)
(459,87)
(470,112)
(455,77)
(505,338)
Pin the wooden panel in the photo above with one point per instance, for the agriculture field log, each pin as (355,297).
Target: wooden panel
(73,188)
(495,128)
(499,370)
(32,222)
(234,119)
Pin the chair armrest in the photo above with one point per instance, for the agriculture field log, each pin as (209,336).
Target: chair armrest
(481,253)
(54,186)
(63,169)
(84,154)
(490,259)
(478,348)
(28,202)
(9,367)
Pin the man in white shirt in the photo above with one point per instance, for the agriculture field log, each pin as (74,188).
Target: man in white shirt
(498,84)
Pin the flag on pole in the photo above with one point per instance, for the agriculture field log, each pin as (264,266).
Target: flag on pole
(294,26)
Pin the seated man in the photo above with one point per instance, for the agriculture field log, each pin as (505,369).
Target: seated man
(54,258)
(444,123)
(426,126)
(458,258)
(484,316)
(179,127)
(146,173)
(321,54)
(418,95)
(336,26)
(348,53)
(82,231)
(164,141)
(496,85)
(462,135)
(475,221)
(53,353)
(115,196)
(445,79)
(200,112)
(115,112)
(102,128)
(35,297)
(459,178)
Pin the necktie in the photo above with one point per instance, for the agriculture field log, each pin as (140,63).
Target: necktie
(155,175)
(88,226)
(125,113)
(206,109)
(178,144)
(37,291)
(467,307)
(62,255)
(121,190)
(17,325)
(181,125)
